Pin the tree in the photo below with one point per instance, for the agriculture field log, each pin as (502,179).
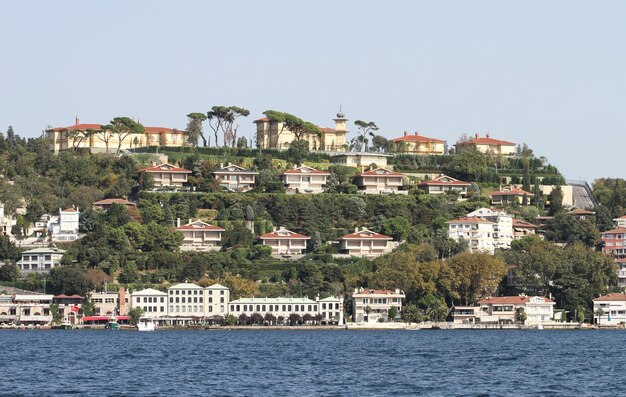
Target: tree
(298,151)
(194,128)
(380,143)
(411,314)
(237,235)
(365,129)
(556,200)
(77,136)
(294,319)
(476,275)
(104,135)
(8,250)
(598,313)
(392,313)
(135,314)
(298,127)
(122,127)
(230,319)
(222,118)
(520,314)
(9,272)
(69,280)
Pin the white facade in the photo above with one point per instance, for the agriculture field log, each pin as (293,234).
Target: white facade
(285,242)
(369,304)
(613,308)
(200,236)
(64,227)
(365,243)
(503,229)
(538,309)
(186,300)
(331,310)
(40,260)
(304,180)
(26,309)
(151,301)
(235,178)
(327,310)
(218,297)
(6,222)
(479,233)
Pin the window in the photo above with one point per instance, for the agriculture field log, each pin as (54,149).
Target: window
(210,299)
(138,299)
(210,309)
(262,307)
(162,309)
(222,292)
(162,300)
(221,308)
(145,299)
(171,300)
(323,306)
(222,299)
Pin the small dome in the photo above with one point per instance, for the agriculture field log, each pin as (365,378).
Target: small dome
(340,115)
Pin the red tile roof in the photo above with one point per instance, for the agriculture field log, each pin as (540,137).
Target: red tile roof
(471,220)
(166,168)
(149,130)
(303,170)
(611,297)
(524,224)
(199,225)
(580,211)
(510,300)
(380,172)
(70,210)
(365,234)
(443,180)
(511,192)
(417,138)
(110,201)
(162,130)
(367,291)
(283,234)
(613,231)
(261,119)
(489,141)
(63,296)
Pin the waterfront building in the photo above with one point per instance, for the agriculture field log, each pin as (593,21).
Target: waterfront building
(479,233)
(365,243)
(538,309)
(69,306)
(218,298)
(107,203)
(487,144)
(304,180)
(109,303)
(360,159)
(200,236)
(380,181)
(64,138)
(612,307)
(167,175)
(235,178)
(186,300)
(273,135)
(331,310)
(509,195)
(153,302)
(465,314)
(418,144)
(26,308)
(285,242)
(280,309)
(369,305)
(443,184)
(40,260)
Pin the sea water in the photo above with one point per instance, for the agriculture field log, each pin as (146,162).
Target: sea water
(312,363)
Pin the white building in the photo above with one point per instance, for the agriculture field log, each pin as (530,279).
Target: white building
(40,260)
(443,184)
(478,232)
(304,180)
(153,302)
(613,308)
(218,297)
(200,236)
(538,309)
(285,242)
(360,159)
(279,308)
(365,243)
(380,181)
(503,229)
(235,178)
(370,304)
(26,309)
(186,300)
(6,222)
(331,309)
(64,227)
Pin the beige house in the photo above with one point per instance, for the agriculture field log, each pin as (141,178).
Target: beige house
(510,195)
(371,304)
(487,144)
(26,308)
(153,302)
(380,181)
(200,236)
(365,243)
(418,144)
(167,175)
(154,136)
(360,159)
(538,309)
(235,178)
(522,229)
(285,242)
(304,180)
(443,184)
(109,303)
(272,135)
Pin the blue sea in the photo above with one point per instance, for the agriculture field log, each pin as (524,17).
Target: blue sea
(312,363)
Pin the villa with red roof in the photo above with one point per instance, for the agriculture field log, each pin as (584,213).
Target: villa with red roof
(522,229)
(73,136)
(613,307)
(235,178)
(418,144)
(167,175)
(369,305)
(538,309)
(200,236)
(285,242)
(365,243)
(380,181)
(272,135)
(304,179)
(488,144)
(510,195)
(107,203)
(479,233)
(443,184)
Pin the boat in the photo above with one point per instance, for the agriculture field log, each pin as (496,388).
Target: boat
(112,324)
(146,324)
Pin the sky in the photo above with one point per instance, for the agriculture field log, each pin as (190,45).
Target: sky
(551,74)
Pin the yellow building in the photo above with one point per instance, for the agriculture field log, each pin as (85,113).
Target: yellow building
(488,144)
(274,136)
(154,136)
(418,144)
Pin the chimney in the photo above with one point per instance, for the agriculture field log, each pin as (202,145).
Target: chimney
(406,133)
(190,220)
(417,133)
(121,305)
(356,229)
(77,120)
(487,135)
(274,229)
(177,222)
(221,165)
(477,135)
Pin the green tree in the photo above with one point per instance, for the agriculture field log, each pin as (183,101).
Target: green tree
(135,314)
(8,250)
(298,151)
(555,198)
(380,143)
(9,272)
(194,128)
(476,275)
(392,313)
(68,280)
(298,127)
(222,118)
(122,127)
(520,314)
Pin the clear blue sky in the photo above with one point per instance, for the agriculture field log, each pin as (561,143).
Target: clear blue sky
(548,73)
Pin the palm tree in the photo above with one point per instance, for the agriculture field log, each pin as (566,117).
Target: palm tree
(368,310)
(599,313)
(438,311)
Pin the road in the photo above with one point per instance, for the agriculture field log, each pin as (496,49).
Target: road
(581,197)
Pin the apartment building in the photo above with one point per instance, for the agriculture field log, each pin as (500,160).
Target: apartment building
(369,305)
